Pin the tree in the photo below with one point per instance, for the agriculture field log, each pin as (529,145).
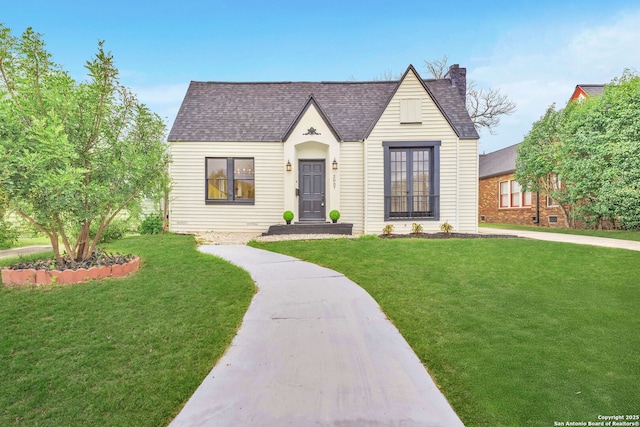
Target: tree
(594,147)
(485,106)
(538,161)
(71,154)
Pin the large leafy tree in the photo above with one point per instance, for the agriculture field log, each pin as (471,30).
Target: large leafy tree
(594,146)
(72,154)
(538,165)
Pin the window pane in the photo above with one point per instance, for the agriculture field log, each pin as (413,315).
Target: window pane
(420,184)
(217,179)
(243,168)
(527,199)
(504,194)
(243,182)
(515,194)
(217,168)
(398,181)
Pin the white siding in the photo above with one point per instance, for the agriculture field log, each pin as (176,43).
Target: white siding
(188,211)
(352,181)
(458,181)
(468,173)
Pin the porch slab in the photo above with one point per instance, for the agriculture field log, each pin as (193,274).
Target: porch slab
(310,228)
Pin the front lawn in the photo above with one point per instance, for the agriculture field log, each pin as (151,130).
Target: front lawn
(612,234)
(516,332)
(119,352)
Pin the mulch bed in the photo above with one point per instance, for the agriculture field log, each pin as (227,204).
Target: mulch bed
(447,236)
(99,258)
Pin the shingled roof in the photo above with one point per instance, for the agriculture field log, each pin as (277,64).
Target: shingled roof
(263,112)
(500,162)
(592,90)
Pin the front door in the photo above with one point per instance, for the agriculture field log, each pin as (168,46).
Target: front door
(312,190)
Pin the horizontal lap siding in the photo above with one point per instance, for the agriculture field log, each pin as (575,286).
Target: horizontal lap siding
(434,127)
(468,198)
(188,211)
(352,184)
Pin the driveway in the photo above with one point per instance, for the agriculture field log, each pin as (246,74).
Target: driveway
(566,238)
(314,349)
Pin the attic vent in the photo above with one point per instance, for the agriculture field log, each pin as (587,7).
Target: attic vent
(553,219)
(410,111)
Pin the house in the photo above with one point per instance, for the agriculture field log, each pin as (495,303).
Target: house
(500,197)
(381,152)
(584,91)
(502,200)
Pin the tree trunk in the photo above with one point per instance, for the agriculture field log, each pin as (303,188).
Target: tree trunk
(83,242)
(165,213)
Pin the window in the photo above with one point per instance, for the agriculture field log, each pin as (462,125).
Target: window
(511,195)
(229,180)
(410,111)
(411,181)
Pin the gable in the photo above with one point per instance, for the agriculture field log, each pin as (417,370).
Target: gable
(312,109)
(411,92)
(311,125)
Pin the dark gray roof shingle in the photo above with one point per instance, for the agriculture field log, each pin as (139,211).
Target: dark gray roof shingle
(499,162)
(592,90)
(218,111)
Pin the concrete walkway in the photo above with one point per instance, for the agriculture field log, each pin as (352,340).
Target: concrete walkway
(24,251)
(314,349)
(566,238)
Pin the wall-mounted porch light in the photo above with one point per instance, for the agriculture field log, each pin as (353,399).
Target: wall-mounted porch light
(334,165)
(288,166)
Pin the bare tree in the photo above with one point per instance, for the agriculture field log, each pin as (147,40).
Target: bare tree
(485,106)
(438,67)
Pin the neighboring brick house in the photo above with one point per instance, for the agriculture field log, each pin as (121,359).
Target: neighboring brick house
(501,200)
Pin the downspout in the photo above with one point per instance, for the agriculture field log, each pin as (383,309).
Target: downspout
(537,220)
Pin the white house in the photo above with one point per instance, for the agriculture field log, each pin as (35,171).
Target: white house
(382,152)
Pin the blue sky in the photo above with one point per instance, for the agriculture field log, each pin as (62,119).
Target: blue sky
(533,51)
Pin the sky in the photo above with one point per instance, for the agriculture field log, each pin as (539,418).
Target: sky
(535,52)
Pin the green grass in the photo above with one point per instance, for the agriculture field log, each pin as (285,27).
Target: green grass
(119,352)
(613,234)
(516,332)
(32,241)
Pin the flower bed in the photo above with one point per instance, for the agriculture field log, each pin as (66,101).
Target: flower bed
(32,276)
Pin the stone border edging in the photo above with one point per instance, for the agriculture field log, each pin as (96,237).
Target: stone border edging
(46,277)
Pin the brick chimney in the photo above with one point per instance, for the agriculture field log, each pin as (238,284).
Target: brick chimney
(458,78)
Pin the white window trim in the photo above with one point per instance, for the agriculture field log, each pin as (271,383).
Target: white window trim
(522,196)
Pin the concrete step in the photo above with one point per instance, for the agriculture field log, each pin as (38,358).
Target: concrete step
(310,228)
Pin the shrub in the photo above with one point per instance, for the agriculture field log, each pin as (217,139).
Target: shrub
(287,216)
(388,230)
(416,228)
(334,215)
(151,224)
(8,235)
(446,227)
